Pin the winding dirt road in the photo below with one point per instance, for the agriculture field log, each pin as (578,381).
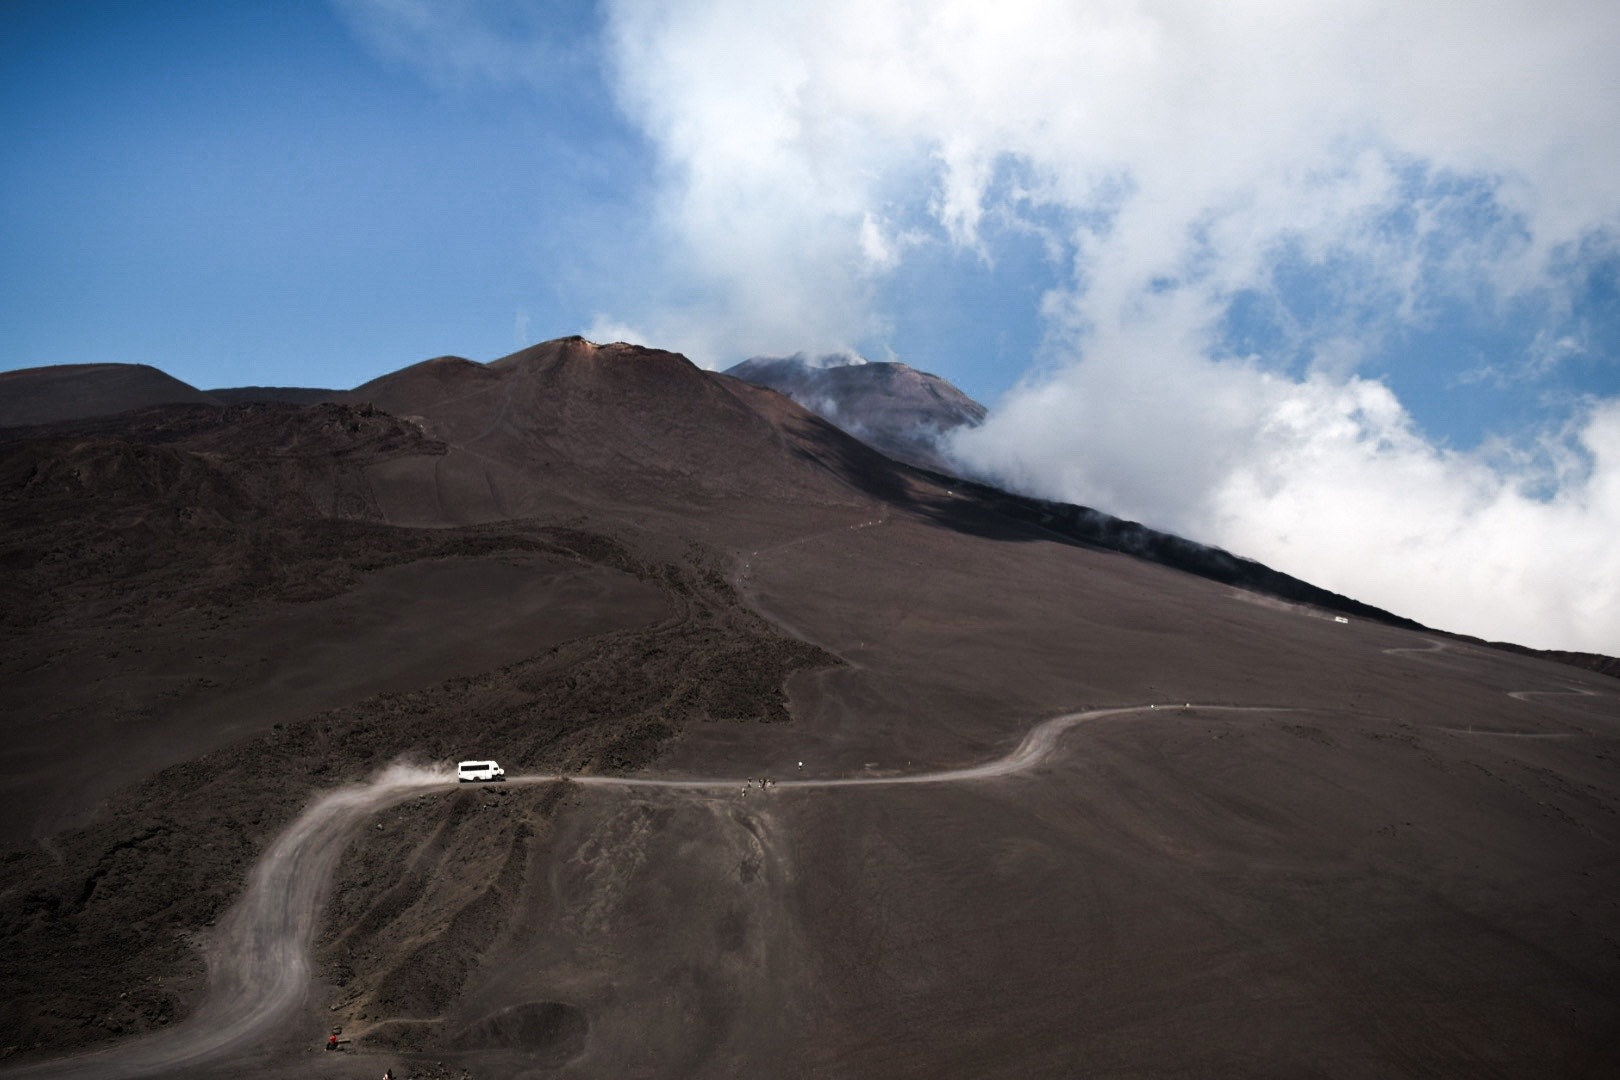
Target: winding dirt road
(259,959)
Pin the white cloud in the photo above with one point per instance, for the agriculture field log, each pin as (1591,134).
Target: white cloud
(1327,479)
(881,251)
(1368,508)
(789,131)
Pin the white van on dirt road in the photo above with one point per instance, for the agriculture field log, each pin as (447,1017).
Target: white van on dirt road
(469,771)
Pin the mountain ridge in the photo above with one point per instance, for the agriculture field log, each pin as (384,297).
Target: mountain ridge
(648,590)
(582,394)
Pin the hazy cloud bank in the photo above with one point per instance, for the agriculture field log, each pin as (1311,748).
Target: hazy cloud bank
(1327,479)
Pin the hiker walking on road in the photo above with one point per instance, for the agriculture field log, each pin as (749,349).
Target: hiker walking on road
(332,1042)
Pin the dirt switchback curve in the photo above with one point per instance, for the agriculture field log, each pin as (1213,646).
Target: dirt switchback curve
(259,960)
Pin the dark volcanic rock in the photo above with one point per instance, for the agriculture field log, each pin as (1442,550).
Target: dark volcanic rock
(895,408)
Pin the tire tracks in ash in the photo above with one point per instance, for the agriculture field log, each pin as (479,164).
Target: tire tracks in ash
(1434,648)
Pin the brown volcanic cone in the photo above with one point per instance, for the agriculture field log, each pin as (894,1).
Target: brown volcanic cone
(572,422)
(48,395)
(410,389)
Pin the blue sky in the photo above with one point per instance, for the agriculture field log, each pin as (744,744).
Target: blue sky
(265,193)
(1306,281)
(248,193)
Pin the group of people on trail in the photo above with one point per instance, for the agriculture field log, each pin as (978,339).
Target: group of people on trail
(763,782)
